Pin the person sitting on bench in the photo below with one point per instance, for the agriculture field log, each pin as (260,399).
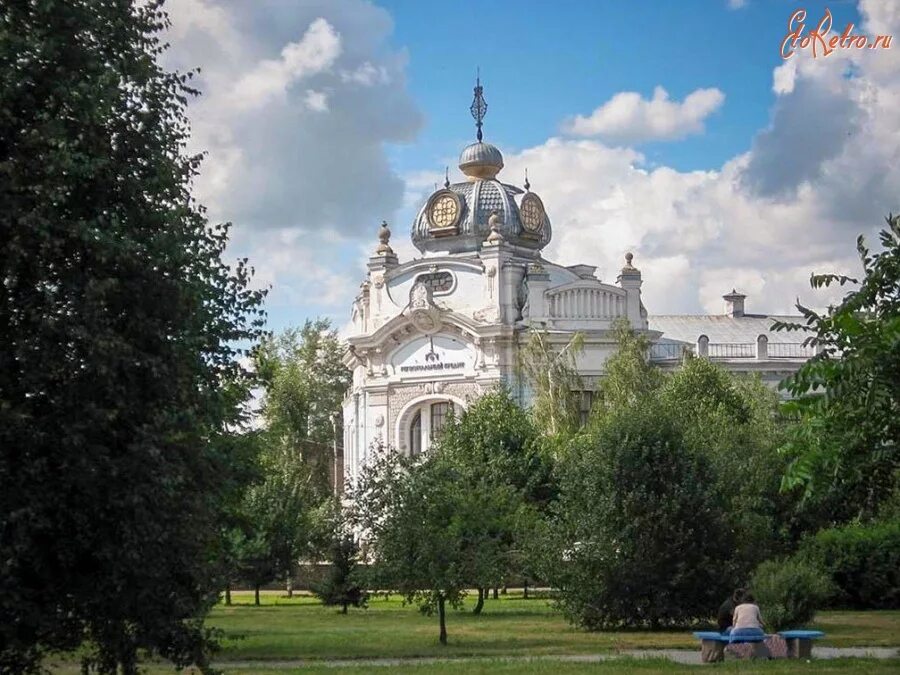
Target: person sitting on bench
(726,610)
(747,619)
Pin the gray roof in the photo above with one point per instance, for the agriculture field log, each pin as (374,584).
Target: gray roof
(479,198)
(721,328)
(481,153)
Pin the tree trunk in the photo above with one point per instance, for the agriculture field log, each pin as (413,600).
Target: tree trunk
(496,593)
(442,619)
(344,609)
(228,595)
(504,590)
(256,595)
(480,604)
(525,590)
(290,584)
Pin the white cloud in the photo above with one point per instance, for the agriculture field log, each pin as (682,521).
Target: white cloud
(783,77)
(314,53)
(306,179)
(299,101)
(737,4)
(629,118)
(367,74)
(316,100)
(825,170)
(695,235)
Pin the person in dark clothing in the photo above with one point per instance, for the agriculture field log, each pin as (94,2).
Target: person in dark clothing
(726,609)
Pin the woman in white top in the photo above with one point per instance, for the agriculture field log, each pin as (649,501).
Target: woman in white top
(747,620)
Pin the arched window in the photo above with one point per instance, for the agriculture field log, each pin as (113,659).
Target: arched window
(415,435)
(439,414)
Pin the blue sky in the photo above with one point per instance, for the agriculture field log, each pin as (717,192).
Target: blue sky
(323,117)
(542,62)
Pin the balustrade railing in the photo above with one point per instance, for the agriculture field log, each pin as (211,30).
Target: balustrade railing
(669,351)
(731,350)
(672,351)
(585,303)
(790,350)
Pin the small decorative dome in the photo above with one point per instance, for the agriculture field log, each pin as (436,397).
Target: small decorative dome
(480,161)
(462,217)
(459,217)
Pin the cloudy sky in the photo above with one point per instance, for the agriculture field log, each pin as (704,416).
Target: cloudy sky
(679,133)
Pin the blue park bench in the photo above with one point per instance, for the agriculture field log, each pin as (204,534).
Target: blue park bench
(712,643)
(799,642)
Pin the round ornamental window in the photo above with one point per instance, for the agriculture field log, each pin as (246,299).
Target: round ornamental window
(532,213)
(444,209)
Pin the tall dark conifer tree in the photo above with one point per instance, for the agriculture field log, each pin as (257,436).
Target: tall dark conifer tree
(119,320)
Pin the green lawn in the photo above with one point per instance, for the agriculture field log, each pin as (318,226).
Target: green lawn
(300,628)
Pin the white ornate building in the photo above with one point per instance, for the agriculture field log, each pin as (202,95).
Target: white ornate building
(433,333)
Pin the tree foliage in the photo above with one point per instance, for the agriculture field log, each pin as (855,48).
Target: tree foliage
(495,440)
(428,538)
(790,591)
(847,398)
(344,583)
(628,377)
(305,381)
(119,375)
(863,561)
(639,535)
(552,376)
(493,445)
(733,423)
(282,512)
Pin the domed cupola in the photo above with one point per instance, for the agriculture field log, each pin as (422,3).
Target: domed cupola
(455,218)
(480,161)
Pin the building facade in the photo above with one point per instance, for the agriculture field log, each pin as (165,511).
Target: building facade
(431,334)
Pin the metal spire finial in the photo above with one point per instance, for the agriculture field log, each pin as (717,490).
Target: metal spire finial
(527,184)
(446,177)
(479,105)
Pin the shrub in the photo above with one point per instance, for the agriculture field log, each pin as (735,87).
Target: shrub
(789,592)
(639,537)
(340,586)
(863,562)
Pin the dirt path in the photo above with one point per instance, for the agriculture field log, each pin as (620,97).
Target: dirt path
(691,657)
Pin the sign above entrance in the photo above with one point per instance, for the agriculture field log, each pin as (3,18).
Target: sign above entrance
(432,355)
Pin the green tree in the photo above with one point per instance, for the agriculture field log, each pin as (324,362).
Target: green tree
(494,444)
(426,537)
(628,376)
(733,423)
(235,527)
(639,536)
(282,511)
(304,383)
(305,380)
(551,372)
(790,591)
(119,320)
(496,440)
(847,398)
(342,585)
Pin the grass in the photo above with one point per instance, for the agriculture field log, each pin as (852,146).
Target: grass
(300,628)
